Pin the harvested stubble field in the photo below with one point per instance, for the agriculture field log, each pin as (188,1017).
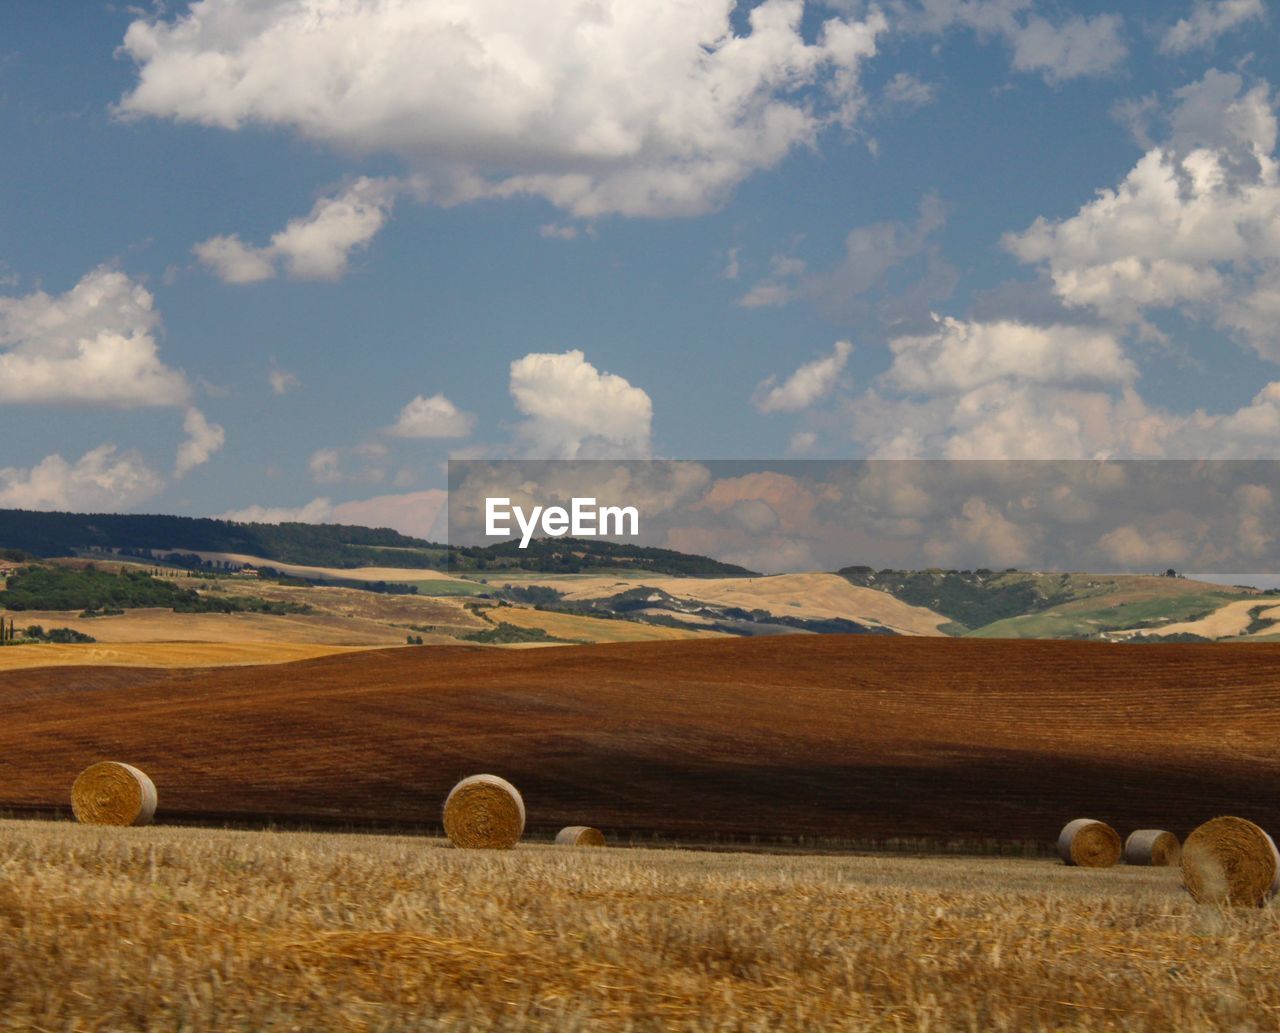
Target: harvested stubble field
(185,929)
(842,738)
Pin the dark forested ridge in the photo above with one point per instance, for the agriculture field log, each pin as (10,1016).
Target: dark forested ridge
(328,545)
(331,545)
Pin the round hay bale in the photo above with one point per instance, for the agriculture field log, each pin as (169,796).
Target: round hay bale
(1154,847)
(111,793)
(580,835)
(484,812)
(1230,861)
(1087,843)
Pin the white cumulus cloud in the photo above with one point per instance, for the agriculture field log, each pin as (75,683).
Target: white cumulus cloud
(317,246)
(1192,227)
(1005,390)
(102,480)
(203,440)
(434,417)
(806,385)
(609,106)
(96,344)
(573,411)
(961,356)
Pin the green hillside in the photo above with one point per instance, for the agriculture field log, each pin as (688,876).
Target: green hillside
(1026,604)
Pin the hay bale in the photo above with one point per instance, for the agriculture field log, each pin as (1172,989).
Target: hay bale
(111,793)
(1087,843)
(580,835)
(484,812)
(1154,847)
(1230,861)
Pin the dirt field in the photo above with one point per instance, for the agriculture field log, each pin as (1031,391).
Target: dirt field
(164,928)
(841,737)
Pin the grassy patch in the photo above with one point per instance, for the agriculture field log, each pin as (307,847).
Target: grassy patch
(1082,619)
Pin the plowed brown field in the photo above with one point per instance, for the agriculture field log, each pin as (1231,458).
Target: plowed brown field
(837,736)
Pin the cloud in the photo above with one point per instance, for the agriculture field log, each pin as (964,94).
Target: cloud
(870,252)
(233,261)
(1070,48)
(1192,227)
(1074,48)
(203,440)
(640,109)
(335,465)
(1130,546)
(810,382)
(981,526)
(904,90)
(317,511)
(576,412)
(315,247)
(102,480)
(556,231)
(1012,391)
(94,345)
(324,465)
(434,417)
(421,514)
(960,356)
(1209,20)
(802,441)
(281,380)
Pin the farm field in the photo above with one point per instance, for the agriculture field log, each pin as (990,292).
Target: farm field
(104,929)
(576,628)
(814,596)
(387,573)
(164,654)
(842,738)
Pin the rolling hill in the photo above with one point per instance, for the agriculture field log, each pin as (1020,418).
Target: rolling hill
(842,737)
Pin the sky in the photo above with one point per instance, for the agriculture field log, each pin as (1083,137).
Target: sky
(1113,516)
(282,259)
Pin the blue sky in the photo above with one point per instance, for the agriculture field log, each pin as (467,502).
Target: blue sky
(284,259)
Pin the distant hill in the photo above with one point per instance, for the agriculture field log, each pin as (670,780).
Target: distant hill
(577,555)
(328,545)
(1032,604)
(334,545)
(970,597)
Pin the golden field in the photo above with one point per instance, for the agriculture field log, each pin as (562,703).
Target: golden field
(165,654)
(193,929)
